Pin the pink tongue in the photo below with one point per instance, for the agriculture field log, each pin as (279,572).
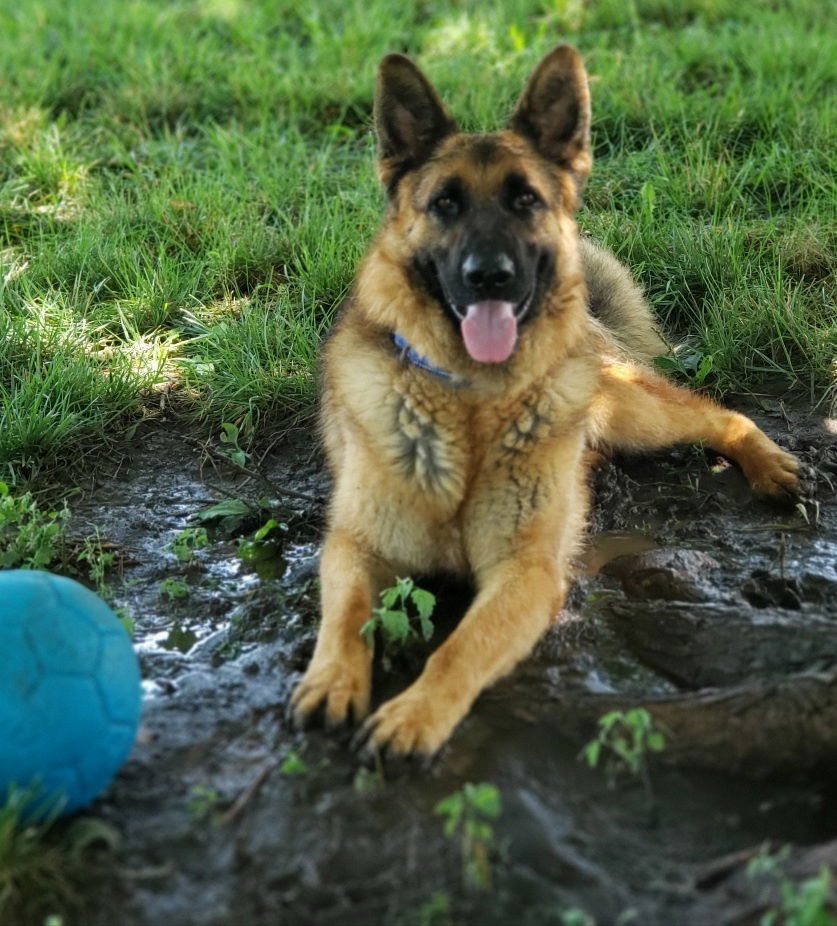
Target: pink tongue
(489,330)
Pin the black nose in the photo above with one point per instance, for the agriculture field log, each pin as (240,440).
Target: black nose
(488,271)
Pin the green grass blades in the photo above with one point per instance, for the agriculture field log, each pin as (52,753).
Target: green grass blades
(44,865)
(186,187)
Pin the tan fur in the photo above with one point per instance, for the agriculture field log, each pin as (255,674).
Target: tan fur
(485,476)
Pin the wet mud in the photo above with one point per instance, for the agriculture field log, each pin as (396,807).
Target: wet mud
(715,610)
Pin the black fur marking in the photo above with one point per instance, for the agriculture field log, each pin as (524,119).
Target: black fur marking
(453,191)
(418,448)
(397,176)
(526,430)
(485,149)
(516,186)
(424,276)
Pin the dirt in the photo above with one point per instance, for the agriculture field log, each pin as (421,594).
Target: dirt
(715,610)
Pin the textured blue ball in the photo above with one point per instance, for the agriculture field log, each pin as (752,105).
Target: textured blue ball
(69,690)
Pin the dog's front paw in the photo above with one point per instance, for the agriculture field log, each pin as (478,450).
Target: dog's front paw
(411,725)
(769,469)
(340,687)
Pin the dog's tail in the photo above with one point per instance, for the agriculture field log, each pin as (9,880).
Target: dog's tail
(618,303)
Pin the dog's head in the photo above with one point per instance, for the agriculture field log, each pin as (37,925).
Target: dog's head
(481,216)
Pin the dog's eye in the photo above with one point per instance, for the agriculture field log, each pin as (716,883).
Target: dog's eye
(445,206)
(525,201)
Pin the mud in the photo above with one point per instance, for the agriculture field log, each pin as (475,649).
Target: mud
(697,600)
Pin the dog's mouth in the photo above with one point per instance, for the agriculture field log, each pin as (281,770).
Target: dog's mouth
(489,327)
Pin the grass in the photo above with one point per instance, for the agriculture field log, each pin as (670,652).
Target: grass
(44,866)
(186,187)
(30,538)
(30,867)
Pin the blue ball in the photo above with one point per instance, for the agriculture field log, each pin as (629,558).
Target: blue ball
(69,691)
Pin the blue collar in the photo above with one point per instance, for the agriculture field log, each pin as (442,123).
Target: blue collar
(423,363)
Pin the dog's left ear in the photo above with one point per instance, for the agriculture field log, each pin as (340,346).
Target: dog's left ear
(410,119)
(553,112)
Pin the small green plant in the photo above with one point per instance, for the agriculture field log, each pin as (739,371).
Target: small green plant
(435,912)
(263,543)
(624,741)
(575,916)
(174,588)
(368,780)
(801,903)
(688,363)
(469,815)
(187,541)
(99,561)
(766,863)
(29,538)
(230,434)
(293,765)
(804,903)
(202,803)
(228,515)
(126,620)
(402,607)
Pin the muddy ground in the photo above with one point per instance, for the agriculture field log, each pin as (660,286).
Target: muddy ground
(715,610)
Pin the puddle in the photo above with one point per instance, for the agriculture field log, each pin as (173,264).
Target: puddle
(179,639)
(608,545)
(327,847)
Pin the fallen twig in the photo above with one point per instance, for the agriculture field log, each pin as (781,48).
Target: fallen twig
(254,474)
(247,794)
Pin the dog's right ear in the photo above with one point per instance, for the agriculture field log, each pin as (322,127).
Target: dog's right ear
(553,112)
(410,119)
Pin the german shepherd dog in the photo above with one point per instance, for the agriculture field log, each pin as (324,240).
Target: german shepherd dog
(484,351)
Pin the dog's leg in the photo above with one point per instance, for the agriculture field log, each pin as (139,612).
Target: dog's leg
(339,676)
(637,409)
(521,525)
(510,613)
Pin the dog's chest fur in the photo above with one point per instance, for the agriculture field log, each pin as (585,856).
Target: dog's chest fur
(448,454)
(439,446)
